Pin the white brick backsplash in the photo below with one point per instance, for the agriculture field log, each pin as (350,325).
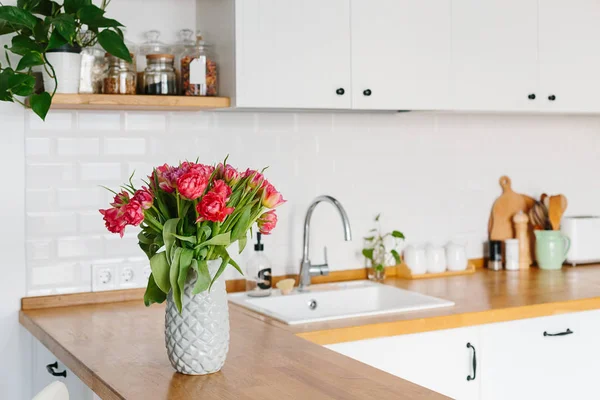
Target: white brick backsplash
(83,198)
(77,146)
(145,121)
(44,175)
(44,224)
(125,146)
(99,121)
(79,247)
(100,172)
(397,164)
(38,146)
(39,250)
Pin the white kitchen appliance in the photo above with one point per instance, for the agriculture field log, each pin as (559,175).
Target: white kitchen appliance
(584,232)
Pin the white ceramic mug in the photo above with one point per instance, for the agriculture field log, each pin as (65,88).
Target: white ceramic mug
(415,259)
(456,256)
(436,259)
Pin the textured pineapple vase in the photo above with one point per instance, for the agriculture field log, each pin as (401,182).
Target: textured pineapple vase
(197,340)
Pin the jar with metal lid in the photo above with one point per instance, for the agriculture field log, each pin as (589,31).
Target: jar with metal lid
(151,46)
(198,70)
(159,76)
(121,76)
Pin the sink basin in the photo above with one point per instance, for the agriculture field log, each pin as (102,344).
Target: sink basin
(328,302)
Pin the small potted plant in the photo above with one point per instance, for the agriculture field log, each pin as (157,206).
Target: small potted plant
(49,35)
(376,255)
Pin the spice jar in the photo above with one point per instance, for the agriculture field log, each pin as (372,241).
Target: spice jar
(185,44)
(198,71)
(159,76)
(121,76)
(151,46)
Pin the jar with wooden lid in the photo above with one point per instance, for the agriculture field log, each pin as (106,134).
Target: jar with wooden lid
(198,70)
(152,45)
(121,76)
(159,76)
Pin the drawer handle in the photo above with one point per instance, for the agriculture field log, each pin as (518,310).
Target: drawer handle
(565,333)
(52,370)
(469,377)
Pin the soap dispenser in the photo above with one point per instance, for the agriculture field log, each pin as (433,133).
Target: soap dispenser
(258,272)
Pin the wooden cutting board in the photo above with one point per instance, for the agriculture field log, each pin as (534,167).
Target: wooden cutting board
(505,207)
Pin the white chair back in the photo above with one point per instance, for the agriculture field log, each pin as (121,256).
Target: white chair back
(54,391)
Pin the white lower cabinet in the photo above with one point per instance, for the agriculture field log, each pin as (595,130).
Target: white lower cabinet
(42,377)
(550,358)
(440,360)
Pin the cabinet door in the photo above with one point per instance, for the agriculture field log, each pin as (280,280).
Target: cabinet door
(570,55)
(42,378)
(519,362)
(401,54)
(293,54)
(440,360)
(494,55)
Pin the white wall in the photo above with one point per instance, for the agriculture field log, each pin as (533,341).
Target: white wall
(433,176)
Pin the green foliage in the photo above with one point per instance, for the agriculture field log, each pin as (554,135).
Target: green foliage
(376,251)
(43,25)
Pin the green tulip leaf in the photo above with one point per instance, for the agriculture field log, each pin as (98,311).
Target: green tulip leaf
(219,240)
(169,230)
(153,293)
(174,277)
(203,282)
(160,270)
(224,263)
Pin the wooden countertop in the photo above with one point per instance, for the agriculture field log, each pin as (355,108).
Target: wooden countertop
(117,348)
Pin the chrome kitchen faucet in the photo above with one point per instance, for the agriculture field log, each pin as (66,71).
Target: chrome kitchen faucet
(306,268)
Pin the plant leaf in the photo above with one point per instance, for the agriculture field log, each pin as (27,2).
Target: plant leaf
(174,277)
(371,238)
(143,237)
(169,230)
(89,13)
(185,262)
(30,59)
(56,40)
(242,243)
(396,256)
(40,104)
(206,231)
(368,253)
(22,45)
(222,251)
(73,6)
(153,293)
(203,281)
(398,234)
(224,263)
(160,270)
(21,84)
(377,217)
(65,24)
(15,16)
(189,239)
(241,227)
(113,43)
(219,240)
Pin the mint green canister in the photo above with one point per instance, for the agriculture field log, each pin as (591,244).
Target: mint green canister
(551,249)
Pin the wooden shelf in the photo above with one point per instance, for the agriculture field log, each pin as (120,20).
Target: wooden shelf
(136,102)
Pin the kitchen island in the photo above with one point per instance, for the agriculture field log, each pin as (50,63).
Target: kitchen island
(117,348)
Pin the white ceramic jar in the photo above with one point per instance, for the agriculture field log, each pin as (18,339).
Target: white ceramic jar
(415,259)
(436,259)
(456,256)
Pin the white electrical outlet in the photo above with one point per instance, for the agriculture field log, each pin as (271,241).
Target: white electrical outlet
(104,277)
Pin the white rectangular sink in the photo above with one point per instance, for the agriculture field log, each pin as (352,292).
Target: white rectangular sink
(337,301)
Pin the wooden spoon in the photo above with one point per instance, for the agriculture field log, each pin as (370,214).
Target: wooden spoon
(538,216)
(556,209)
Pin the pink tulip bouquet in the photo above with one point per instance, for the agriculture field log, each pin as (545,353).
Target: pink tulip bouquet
(191,214)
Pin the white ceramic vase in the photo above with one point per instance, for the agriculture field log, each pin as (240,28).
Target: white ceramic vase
(197,340)
(67,67)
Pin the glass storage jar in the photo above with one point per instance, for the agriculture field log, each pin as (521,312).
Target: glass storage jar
(160,77)
(198,71)
(93,70)
(121,77)
(185,44)
(151,46)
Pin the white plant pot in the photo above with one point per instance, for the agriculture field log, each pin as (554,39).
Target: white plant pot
(67,67)
(197,340)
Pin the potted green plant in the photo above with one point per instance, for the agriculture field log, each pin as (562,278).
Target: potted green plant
(375,252)
(44,28)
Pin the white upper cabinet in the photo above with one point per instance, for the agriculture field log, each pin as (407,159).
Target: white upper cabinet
(494,54)
(569,33)
(293,54)
(440,360)
(401,53)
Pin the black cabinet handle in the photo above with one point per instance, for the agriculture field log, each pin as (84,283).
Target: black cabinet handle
(469,377)
(552,97)
(52,370)
(531,96)
(565,333)
(340,92)
(367,92)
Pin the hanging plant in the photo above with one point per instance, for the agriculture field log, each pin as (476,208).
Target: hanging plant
(40,26)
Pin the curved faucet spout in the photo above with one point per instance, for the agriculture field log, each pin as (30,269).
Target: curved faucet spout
(306,268)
